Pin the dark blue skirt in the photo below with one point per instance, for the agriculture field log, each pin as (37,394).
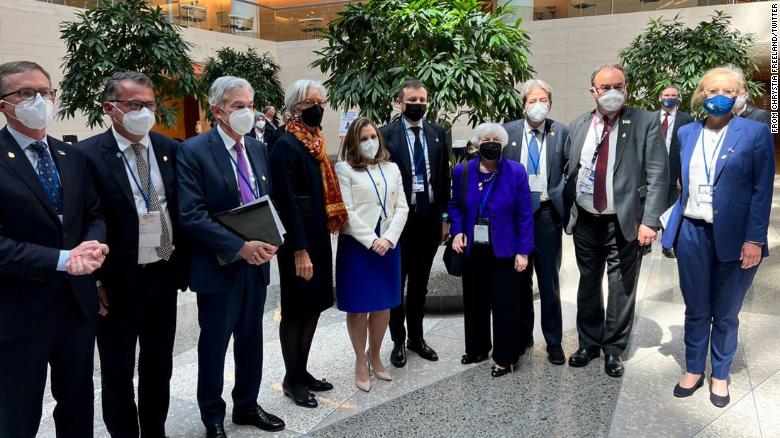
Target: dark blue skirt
(366,281)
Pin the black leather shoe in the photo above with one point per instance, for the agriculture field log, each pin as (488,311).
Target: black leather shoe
(467,359)
(613,365)
(555,354)
(260,419)
(313,384)
(583,356)
(216,431)
(398,356)
(300,395)
(420,347)
(498,372)
(718,400)
(669,253)
(681,392)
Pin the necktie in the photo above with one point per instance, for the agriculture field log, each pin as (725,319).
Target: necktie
(243,182)
(419,159)
(665,124)
(145,177)
(533,154)
(600,181)
(47,175)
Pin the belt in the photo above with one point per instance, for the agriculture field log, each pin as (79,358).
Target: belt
(151,265)
(546,205)
(585,214)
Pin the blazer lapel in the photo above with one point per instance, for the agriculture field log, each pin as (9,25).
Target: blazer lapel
(17,160)
(116,165)
(403,149)
(434,144)
(259,169)
(578,133)
(222,160)
(624,134)
(686,153)
(68,176)
(551,140)
(728,146)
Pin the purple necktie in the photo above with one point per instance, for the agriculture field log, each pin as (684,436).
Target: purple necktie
(243,181)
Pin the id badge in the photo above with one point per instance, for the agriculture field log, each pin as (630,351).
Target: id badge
(418,185)
(149,229)
(704,195)
(535,182)
(482,231)
(587,181)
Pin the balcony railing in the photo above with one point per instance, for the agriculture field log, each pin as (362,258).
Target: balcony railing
(551,9)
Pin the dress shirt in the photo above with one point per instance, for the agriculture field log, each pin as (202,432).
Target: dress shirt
(145,255)
(672,115)
(408,124)
(32,156)
(230,146)
(697,175)
(542,156)
(586,156)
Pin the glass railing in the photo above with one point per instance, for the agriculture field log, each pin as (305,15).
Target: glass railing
(552,9)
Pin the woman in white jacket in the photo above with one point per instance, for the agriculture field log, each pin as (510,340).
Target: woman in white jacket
(368,262)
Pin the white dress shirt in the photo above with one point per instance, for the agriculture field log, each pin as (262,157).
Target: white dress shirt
(145,254)
(230,144)
(586,161)
(408,124)
(697,175)
(541,141)
(672,115)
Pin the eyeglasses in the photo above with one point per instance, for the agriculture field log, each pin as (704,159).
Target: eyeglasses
(308,103)
(137,105)
(604,88)
(29,93)
(710,92)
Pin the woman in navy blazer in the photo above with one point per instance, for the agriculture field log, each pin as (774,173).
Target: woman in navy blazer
(718,227)
(493,227)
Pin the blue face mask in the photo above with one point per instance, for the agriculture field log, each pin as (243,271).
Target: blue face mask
(670,103)
(719,105)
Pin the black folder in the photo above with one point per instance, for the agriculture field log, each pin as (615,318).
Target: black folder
(254,221)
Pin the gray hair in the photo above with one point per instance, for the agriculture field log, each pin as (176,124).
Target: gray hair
(111,87)
(490,128)
(225,84)
(604,67)
(296,93)
(532,84)
(10,68)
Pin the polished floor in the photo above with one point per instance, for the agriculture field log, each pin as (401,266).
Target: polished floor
(445,398)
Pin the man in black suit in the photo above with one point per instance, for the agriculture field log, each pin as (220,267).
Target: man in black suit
(134,172)
(538,142)
(671,120)
(421,150)
(50,234)
(742,109)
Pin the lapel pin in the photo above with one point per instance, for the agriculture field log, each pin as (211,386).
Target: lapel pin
(626,122)
(437,139)
(514,143)
(723,157)
(263,177)
(11,155)
(552,133)
(61,152)
(119,155)
(624,135)
(165,158)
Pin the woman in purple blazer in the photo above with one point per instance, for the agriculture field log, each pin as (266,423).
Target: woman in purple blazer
(493,227)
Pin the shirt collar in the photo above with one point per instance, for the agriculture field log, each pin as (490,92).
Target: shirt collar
(23,140)
(671,113)
(529,128)
(229,142)
(410,124)
(124,143)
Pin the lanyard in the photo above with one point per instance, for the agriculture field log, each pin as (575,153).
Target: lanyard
(410,145)
(604,133)
(373,184)
(145,196)
(486,195)
(708,165)
(246,180)
(537,163)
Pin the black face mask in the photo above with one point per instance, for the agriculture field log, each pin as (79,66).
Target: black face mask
(312,116)
(490,150)
(414,111)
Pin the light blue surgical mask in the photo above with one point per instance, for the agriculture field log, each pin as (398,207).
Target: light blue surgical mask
(719,105)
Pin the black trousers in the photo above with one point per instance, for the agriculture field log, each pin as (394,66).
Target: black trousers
(546,262)
(145,315)
(419,242)
(237,313)
(599,245)
(69,349)
(491,283)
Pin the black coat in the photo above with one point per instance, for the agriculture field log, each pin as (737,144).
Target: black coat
(680,119)
(757,114)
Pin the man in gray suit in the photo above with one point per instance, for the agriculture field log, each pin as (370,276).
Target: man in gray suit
(616,189)
(742,109)
(538,142)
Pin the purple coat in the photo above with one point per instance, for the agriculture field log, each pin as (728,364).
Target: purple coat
(510,208)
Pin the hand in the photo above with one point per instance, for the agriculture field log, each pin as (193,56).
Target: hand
(103,298)
(256,252)
(751,255)
(381,246)
(679,186)
(267,251)
(303,266)
(521,262)
(646,235)
(82,265)
(91,249)
(459,243)
(445,230)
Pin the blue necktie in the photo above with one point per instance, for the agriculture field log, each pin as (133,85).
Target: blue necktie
(47,174)
(533,154)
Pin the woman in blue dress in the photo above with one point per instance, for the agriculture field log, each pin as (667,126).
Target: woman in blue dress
(368,261)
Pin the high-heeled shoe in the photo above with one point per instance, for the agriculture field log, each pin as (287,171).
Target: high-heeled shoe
(381,375)
(363,385)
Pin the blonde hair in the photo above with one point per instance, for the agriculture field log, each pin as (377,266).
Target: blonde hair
(697,99)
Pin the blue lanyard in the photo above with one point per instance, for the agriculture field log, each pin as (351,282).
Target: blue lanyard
(709,164)
(415,167)
(541,150)
(246,180)
(145,196)
(486,195)
(373,184)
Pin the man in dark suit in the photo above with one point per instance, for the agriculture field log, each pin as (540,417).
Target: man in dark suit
(616,189)
(742,109)
(538,142)
(136,181)
(50,234)
(421,150)
(220,170)
(671,120)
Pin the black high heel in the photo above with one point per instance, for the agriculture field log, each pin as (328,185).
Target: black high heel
(302,398)
(495,371)
(467,358)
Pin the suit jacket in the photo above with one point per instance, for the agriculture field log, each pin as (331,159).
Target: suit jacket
(555,134)
(742,194)
(439,150)
(31,237)
(680,119)
(757,114)
(116,196)
(511,214)
(206,184)
(641,173)
(363,205)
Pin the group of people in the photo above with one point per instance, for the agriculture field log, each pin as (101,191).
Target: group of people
(98,238)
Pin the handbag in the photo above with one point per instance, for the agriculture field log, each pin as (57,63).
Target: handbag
(452,260)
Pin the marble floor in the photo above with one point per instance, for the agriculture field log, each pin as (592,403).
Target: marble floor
(446,398)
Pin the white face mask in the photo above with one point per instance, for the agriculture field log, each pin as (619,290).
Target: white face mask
(369,147)
(34,113)
(740,102)
(612,100)
(260,124)
(241,121)
(137,122)
(537,112)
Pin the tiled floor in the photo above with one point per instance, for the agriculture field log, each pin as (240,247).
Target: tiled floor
(446,398)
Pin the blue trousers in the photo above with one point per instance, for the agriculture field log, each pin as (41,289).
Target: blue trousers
(713,291)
